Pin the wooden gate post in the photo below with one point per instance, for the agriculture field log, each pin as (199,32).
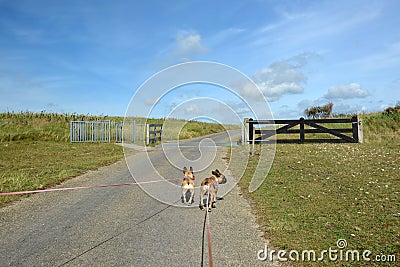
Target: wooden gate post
(302,130)
(251,127)
(357,129)
(360,130)
(252,142)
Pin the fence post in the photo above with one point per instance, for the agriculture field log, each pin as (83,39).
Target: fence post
(116,132)
(251,128)
(122,131)
(252,142)
(147,134)
(302,137)
(109,131)
(81,131)
(354,126)
(92,129)
(357,129)
(246,135)
(360,130)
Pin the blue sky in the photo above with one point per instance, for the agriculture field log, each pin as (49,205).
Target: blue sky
(91,56)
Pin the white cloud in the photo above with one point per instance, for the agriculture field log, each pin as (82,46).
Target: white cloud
(186,47)
(347,91)
(282,77)
(189,43)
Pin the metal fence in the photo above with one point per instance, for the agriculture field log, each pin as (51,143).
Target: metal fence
(107,131)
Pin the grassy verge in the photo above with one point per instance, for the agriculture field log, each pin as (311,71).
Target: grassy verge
(316,194)
(30,165)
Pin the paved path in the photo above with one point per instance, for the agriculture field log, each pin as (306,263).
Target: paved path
(124,226)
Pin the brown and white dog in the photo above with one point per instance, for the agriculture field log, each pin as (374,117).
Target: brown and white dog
(188,185)
(210,186)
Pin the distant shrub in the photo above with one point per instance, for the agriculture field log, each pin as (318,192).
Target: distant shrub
(319,111)
(392,110)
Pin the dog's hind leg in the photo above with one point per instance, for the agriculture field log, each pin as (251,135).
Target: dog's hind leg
(210,198)
(201,204)
(214,198)
(184,195)
(191,196)
(211,201)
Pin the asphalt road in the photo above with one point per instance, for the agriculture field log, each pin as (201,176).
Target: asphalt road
(126,226)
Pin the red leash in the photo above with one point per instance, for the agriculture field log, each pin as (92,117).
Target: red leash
(82,187)
(210,259)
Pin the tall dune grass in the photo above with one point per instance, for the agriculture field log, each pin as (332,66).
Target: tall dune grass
(381,126)
(39,125)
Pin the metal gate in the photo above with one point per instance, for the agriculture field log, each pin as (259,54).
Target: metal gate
(130,132)
(107,131)
(90,131)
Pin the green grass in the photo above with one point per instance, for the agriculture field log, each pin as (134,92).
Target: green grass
(31,165)
(316,194)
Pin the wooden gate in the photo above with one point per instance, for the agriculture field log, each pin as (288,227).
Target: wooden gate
(305,131)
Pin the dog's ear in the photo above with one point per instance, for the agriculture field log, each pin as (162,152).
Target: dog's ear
(214,173)
(217,171)
(184,170)
(191,169)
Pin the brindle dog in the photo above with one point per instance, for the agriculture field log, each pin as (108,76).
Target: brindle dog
(210,186)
